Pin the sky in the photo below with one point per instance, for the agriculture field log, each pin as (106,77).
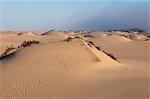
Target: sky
(43,15)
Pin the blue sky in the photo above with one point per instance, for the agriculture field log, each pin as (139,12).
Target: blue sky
(43,15)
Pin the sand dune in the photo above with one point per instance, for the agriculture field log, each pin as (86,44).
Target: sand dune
(120,37)
(101,55)
(27,33)
(54,35)
(7,33)
(138,37)
(52,32)
(16,40)
(59,69)
(58,62)
(111,36)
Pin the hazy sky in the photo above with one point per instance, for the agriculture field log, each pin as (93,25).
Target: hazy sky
(42,15)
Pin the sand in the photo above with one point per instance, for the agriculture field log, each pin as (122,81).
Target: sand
(57,69)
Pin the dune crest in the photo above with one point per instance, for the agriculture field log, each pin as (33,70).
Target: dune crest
(101,55)
(53,32)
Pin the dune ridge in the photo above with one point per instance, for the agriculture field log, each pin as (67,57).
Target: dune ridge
(61,64)
(100,55)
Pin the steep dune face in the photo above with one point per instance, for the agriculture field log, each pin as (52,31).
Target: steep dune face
(100,55)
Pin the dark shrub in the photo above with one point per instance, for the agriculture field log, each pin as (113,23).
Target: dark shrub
(109,34)
(77,37)
(124,35)
(88,36)
(68,39)
(91,43)
(98,48)
(29,43)
(105,52)
(110,55)
(8,49)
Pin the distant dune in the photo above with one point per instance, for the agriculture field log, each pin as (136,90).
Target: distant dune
(27,33)
(8,33)
(119,37)
(75,65)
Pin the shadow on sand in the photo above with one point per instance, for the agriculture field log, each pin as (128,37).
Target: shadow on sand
(7,56)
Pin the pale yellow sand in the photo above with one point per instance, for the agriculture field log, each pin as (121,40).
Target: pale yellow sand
(7,39)
(60,69)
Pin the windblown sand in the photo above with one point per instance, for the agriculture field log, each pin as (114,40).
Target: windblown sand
(57,69)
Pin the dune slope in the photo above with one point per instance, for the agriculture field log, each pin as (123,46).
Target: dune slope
(68,70)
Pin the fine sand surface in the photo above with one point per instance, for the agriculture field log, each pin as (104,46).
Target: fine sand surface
(59,69)
(7,39)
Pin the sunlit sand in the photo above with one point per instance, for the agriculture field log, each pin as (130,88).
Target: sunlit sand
(67,64)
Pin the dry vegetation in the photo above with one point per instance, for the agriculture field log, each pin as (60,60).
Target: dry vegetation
(91,43)
(68,39)
(24,44)
(98,48)
(71,38)
(88,36)
(8,49)
(111,55)
(29,43)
